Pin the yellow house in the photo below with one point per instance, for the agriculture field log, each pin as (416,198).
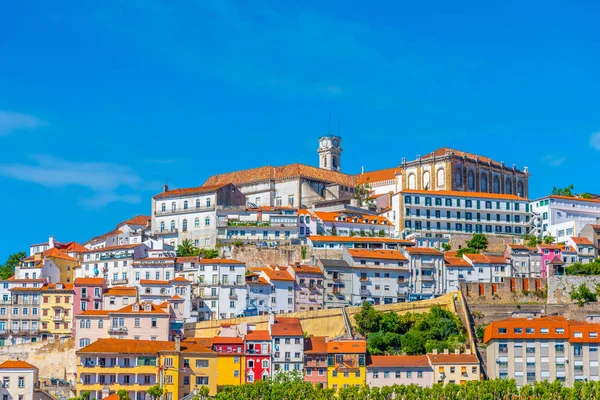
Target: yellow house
(346,363)
(198,367)
(454,367)
(230,361)
(133,365)
(56,310)
(65,263)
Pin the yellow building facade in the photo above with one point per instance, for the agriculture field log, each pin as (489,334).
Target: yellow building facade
(346,363)
(65,263)
(56,319)
(230,361)
(199,368)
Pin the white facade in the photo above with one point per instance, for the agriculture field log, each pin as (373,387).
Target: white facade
(489,269)
(282,288)
(426,273)
(222,290)
(330,153)
(259,226)
(563,217)
(288,345)
(19,380)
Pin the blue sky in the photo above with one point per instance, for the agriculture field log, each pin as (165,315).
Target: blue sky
(101,102)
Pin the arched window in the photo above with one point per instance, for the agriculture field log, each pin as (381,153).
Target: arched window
(307,219)
(163,207)
(520,189)
(197,203)
(88,323)
(484,182)
(162,226)
(185,204)
(207,202)
(412,184)
(441,177)
(172,225)
(184,225)
(302,219)
(471,180)
(82,324)
(508,186)
(197,222)
(173,206)
(100,324)
(496,185)
(334,162)
(426,180)
(207,221)
(458,177)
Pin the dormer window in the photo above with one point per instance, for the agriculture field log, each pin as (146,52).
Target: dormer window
(136,307)
(59,286)
(147,308)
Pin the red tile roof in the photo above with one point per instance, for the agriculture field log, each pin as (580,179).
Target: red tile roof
(127,346)
(113,396)
(424,251)
(483,259)
(492,331)
(258,335)
(306,269)
(189,191)
(153,282)
(93,313)
(286,327)
(227,340)
(180,279)
(456,262)
(453,359)
(315,345)
(154,309)
(89,281)
(275,275)
(187,259)
(137,220)
(340,216)
(454,193)
(381,175)
(355,239)
(346,346)
(582,241)
(56,253)
(16,364)
(377,254)
(73,247)
(210,261)
(397,361)
(121,291)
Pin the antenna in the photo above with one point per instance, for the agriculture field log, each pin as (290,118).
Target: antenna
(329,125)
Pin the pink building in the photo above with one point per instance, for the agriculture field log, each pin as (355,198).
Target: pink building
(551,254)
(139,321)
(390,370)
(309,287)
(88,296)
(315,360)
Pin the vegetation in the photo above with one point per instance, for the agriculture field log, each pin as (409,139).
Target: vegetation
(292,387)
(381,233)
(477,244)
(155,391)
(202,393)
(569,192)
(532,240)
(8,269)
(582,295)
(446,246)
(303,252)
(411,333)
(549,239)
(123,394)
(592,268)
(362,193)
(187,249)
(84,395)
(480,331)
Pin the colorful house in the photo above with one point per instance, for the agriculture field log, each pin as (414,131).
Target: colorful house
(454,367)
(199,367)
(258,355)
(65,263)
(389,370)
(87,295)
(57,310)
(346,364)
(315,360)
(230,361)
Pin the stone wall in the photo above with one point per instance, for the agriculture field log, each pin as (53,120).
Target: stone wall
(257,257)
(54,359)
(496,244)
(511,291)
(559,287)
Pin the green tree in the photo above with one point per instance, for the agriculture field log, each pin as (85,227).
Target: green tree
(582,295)
(155,391)
(187,249)
(466,250)
(478,242)
(549,239)
(202,393)
(532,241)
(367,320)
(446,246)
(8,269)
(362,193)
(123,394)
(568,191)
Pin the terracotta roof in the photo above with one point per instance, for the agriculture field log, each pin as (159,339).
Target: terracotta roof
(497,260)
(111,248)
(276,275)
(286,327)
(175,298)
(114,232)
(129,309)
(443,150)
(377,254)
(259,281)
(153,282)
(290,171)
(137,220)
(121,291)
(52,286)
(180,279)
(454,193)
(397,361)
(582,241)
(258,335)
(73,247)
(341,216)
(381,175)
(56,253)
(550,246)
(359,239)
(211,261)
(16,364)
(347,346)
(423,250)
(556,261)
(187,259)
(189,191)
(483,259)
(113,396)
(453,359)
(554,196)
(315,345)
(97,313)
(89,281)
(306,269)
(26,289)
(127,346)
(456,262)
(227,340)
(492,331)
(193,347)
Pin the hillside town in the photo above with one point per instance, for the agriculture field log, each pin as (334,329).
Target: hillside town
(274,270)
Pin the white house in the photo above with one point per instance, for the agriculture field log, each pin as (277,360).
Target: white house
(426,272)
(288,344)
(282,288)
(563,217)
(222,290)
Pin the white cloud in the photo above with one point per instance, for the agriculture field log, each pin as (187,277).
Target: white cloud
(554,161)
(595,140)
(102,179)
(13,121)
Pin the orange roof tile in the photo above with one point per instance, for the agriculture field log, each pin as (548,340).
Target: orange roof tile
(56,253)
(194,347)
(153,282)
(137,220)
(377,254)
(456,262)
(452,359)
(423,250)
(127,346)
(397,361)
(355,239)
(74,247)
(347,346)
(382,175)
(518,246)
(258,335)
(276,275)
(121,291)
(113,396)
(290,171)
(210,261)
(89,281)
(340,216)
(165,259)
(582,241)
(227,340)
(554,196)
(129,309)
(16,364)
(189,191)
(497,260)
(180,279)
(306,269)
(286,327)
(52,286)
(457,153)
(92,313)
(175,298)
(492,331)
(187,259)
(315,345)
(454,193)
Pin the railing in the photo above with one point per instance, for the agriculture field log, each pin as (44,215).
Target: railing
(166,232)
(427,278)
(119,281)
(117,330)
(364,292)
(57,317)
(364,279)
(335,290)
(84,296)
(24,332)
(233,296)
(183,210)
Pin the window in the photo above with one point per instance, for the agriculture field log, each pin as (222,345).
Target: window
(184,225)
(207,221)
(201,363)
(154,324)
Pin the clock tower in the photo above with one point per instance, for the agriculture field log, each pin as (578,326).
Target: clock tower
(330,153)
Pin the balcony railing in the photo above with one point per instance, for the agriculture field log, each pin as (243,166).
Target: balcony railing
(117,330)
(364,279)
(364,292)
(57,317)
(427,278)
(120,281)
(24,332)
(166,232)
(233,296)
(184,210)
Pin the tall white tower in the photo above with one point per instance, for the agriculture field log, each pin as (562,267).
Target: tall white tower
(330,153)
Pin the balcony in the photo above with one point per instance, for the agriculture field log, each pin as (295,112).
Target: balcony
(209,296)
(24,332)
(336,290)
(427,278)
(84,296)
(173,211)
(166,232)
(120,281)
(57,318)
(427,265)
(364,279)
(204,284)
(403,281)
(233,296)
(120,330)
(365,292)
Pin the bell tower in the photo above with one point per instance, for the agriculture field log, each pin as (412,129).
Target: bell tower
(330,153)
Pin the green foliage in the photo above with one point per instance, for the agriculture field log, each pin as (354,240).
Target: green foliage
(478,242)
(187,249)
(303,252)
(568,191)
(592,268)
(155,391)
(123,395)
(466,250)
(381,233)
(362,193)
(480,331)
(367,320)
(582,295)
(84,395)
(383,343)
(532,240)
(549,239)
(202,393)
(238,243)
(586,196)
(446,246)
(8,269)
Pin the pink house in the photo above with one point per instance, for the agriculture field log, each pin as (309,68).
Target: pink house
(551,254)
(88,295)
(390,370)
(315,360)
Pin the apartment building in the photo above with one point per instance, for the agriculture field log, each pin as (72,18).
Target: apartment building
(348,223)
(491,269)
(282,288)
(457,271)
(338,282)
(24,314)
(454,367)
(222,288)
(262,226)
(56,317)
(584,248)
(447,212)
(231,360)
(258,355)
(592,233)
(427,276)
(113,263)
(259,294)
(309,287)
(543,348)
(563,217)
(88,294)
(118,297)
(131,231)
(346,363)
(389,370)
(315,360)
(288,344)
(526,261)
(19,380)
(356,242)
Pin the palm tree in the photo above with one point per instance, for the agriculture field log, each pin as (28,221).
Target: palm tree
(187,248)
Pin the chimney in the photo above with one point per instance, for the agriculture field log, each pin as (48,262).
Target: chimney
(165,188)
(446,351)
(271,319)
(105,392)
(362,171)
(434,351)
(456,351)
(51,242)
(177,344)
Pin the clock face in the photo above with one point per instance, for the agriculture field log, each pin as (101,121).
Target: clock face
(324,143)
(335,143)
